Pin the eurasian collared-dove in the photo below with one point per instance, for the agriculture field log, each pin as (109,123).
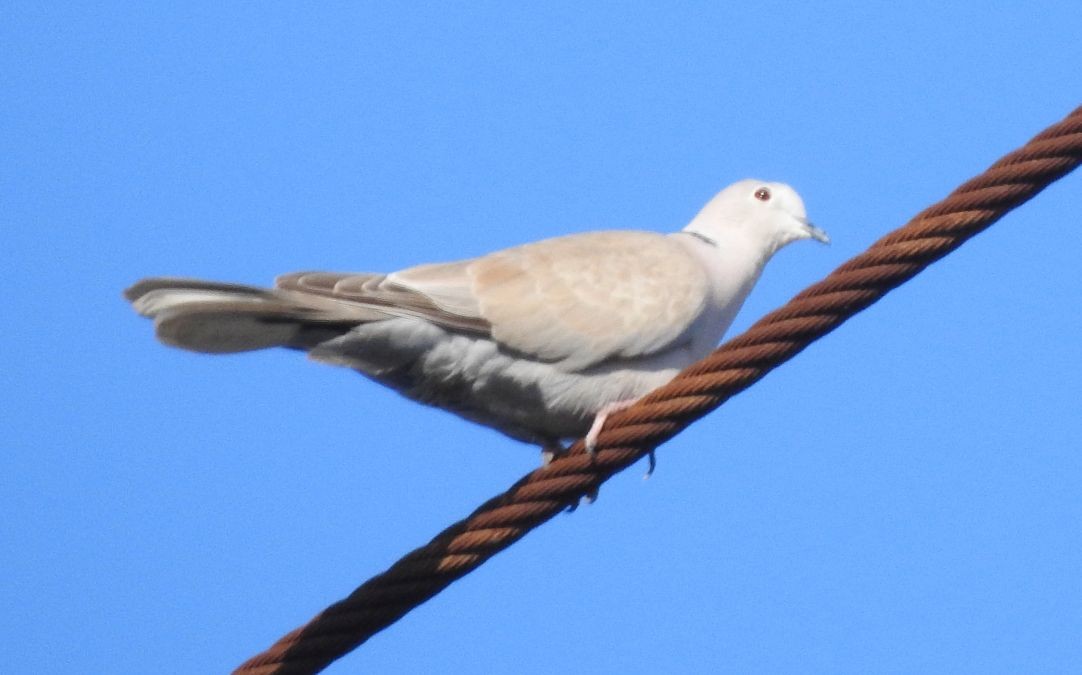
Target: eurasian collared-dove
(540,341)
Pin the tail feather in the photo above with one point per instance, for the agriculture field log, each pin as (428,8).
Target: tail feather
(220,318)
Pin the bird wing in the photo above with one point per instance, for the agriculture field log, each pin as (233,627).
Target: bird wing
(575,301)
(388,296)
(581,299)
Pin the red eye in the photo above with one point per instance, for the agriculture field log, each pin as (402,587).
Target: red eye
(762,194)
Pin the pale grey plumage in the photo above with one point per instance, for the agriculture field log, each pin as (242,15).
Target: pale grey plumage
(534,340)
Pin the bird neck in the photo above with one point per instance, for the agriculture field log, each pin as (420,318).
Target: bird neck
(732,259)
(732,247)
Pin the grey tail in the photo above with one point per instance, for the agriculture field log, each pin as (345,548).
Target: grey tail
(219,318)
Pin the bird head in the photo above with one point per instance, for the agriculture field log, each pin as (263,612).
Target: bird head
(771,214)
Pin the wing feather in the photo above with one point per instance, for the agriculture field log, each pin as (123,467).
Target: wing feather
(577,300)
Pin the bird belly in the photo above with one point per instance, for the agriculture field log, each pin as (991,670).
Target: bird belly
(528,400)
(475,378)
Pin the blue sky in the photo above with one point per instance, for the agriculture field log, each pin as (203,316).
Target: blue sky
(904,496)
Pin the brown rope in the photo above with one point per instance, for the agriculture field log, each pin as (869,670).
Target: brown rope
(702,387)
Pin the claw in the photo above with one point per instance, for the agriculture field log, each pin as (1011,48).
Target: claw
(652,458)
(589,498)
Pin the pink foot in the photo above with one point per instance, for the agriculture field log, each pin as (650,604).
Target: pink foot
(599,422)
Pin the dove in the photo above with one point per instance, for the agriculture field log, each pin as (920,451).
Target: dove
(541,342)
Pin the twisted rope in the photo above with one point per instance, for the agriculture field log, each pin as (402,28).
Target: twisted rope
(702,387)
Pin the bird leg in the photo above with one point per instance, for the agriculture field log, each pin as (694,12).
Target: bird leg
(590,439)
(553,449)
(599,422)
(550,451)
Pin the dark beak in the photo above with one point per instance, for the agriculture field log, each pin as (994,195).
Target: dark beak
(816,233)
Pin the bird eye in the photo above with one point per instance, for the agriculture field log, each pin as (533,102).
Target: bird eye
(763,194)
